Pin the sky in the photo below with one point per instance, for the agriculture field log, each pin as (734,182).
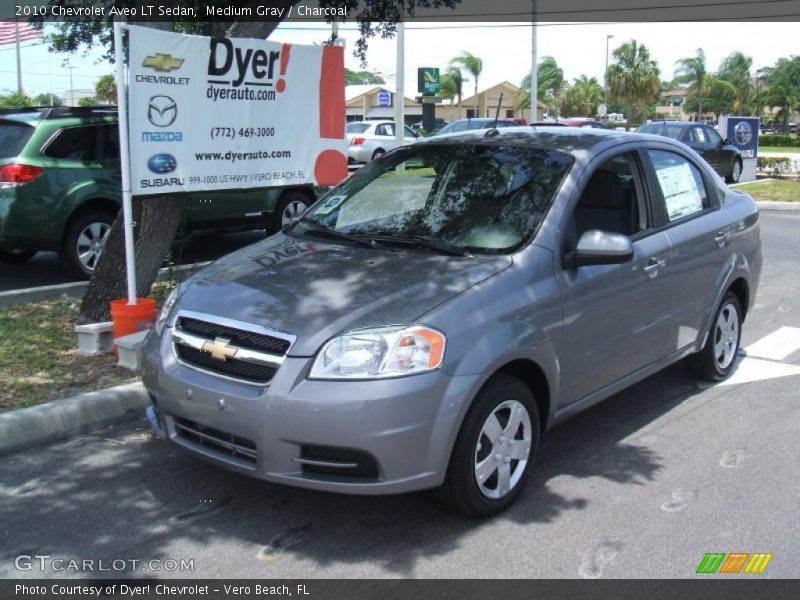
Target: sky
(504,48)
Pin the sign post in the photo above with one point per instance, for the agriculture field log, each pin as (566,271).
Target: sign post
(743,133)
(428,84)
(125,162)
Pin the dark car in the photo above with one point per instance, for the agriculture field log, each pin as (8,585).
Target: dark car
(720,153)
(60,188)
(478,123)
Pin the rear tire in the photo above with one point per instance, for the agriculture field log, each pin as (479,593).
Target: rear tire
(717,359)
(16,257)
(494,450)
(378,153)
(84,241)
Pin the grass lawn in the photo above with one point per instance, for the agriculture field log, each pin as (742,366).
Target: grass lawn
(788,151)
(38,359)
(781,190)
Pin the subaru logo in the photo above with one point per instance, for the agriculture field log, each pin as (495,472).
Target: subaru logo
(743,133)
(162,111)
(162,163)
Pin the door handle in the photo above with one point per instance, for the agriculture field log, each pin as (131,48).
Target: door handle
(653,265)
(722,238)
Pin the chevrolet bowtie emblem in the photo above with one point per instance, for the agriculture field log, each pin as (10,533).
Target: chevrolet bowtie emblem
(162,62)
(220,349)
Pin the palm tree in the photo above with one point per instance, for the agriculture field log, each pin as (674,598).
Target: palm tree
(784,87)
(472,65)
(583,97)
(634,78)
(551,85)
(692,72)
(735,69)
(451,86)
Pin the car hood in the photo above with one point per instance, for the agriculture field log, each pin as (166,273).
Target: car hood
(315,290)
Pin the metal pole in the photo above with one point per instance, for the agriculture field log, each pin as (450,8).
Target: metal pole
(399,96)
(605,87)
(19,58)
(534,67)
(125,164)
(71,86)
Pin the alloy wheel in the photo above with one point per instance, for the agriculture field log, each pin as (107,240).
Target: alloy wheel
(90,244)
(503,449)
(292,212)
(726,336)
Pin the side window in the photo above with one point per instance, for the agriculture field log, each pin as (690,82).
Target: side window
(698,135)
(613,201)
(74,143)
(681,185)
(409,133)
(713,136)
(109,143)
(385,129)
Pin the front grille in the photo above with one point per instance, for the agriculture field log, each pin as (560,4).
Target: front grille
(235,368)
(237,337)
(221,442)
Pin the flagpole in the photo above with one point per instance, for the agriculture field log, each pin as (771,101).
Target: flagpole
(127,209)
(19,59)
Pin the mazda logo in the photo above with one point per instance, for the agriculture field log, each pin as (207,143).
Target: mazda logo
(162,111)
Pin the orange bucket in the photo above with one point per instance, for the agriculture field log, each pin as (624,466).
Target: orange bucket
(129,319)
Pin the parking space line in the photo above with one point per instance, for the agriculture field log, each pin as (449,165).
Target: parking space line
(755,369)
(778,345)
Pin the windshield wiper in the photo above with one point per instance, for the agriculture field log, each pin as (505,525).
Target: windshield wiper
(419,241)
(320,230)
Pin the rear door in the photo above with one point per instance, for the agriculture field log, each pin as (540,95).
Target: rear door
(615,316)
(688,211)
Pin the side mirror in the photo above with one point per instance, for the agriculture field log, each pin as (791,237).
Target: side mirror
(600,248)
(726,142)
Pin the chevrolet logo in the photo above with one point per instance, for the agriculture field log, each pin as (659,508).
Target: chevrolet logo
(162,62)
(220,349)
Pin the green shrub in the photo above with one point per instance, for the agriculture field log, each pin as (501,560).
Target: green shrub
(779,139)
(774,166)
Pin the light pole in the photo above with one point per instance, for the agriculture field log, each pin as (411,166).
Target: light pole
(758,106)
(605,87)
(534,66)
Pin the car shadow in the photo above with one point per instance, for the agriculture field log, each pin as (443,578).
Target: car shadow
(119,493)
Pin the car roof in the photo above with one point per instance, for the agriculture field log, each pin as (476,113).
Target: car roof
(668,122)
(544,138)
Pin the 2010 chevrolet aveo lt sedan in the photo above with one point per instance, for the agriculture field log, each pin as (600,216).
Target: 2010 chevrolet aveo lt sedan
(427,320)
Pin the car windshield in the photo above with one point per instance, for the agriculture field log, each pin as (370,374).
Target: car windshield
(13,137)
(357,127)
(663,129)
(478,198)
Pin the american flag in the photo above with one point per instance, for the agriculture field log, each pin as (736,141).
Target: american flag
(8,34)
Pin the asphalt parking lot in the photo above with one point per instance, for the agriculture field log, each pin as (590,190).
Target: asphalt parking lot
(642,485)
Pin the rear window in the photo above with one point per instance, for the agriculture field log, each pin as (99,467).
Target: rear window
(663,129)
(13,137)
(357,127)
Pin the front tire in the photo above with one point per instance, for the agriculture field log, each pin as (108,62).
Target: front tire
(736,171)
(494,450)
(16,257)
(84,241)
(717,359)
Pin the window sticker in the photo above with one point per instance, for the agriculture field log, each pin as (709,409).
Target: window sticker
(330,204)
(681,194)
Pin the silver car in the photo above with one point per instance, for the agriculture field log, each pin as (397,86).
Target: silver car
(372,139)
(424,323)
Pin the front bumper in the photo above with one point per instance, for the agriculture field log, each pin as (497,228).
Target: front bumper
(403,427)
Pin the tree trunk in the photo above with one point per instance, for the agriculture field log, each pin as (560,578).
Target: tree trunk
(156,222)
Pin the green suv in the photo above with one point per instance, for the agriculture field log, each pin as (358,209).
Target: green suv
(60,188)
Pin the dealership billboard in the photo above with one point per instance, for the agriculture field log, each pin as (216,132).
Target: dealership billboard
(225,113)
(743,133)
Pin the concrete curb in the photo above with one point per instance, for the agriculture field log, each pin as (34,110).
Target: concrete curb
(778,206)
(78,288)
(26,427)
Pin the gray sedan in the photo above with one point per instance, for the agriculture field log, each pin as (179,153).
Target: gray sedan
(429,319)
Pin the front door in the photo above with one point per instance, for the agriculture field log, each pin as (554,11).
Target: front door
(614,316)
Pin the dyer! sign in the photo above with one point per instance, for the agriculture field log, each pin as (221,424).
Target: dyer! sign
(210,114)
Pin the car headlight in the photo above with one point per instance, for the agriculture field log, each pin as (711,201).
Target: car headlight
(165,310)
(379,353)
